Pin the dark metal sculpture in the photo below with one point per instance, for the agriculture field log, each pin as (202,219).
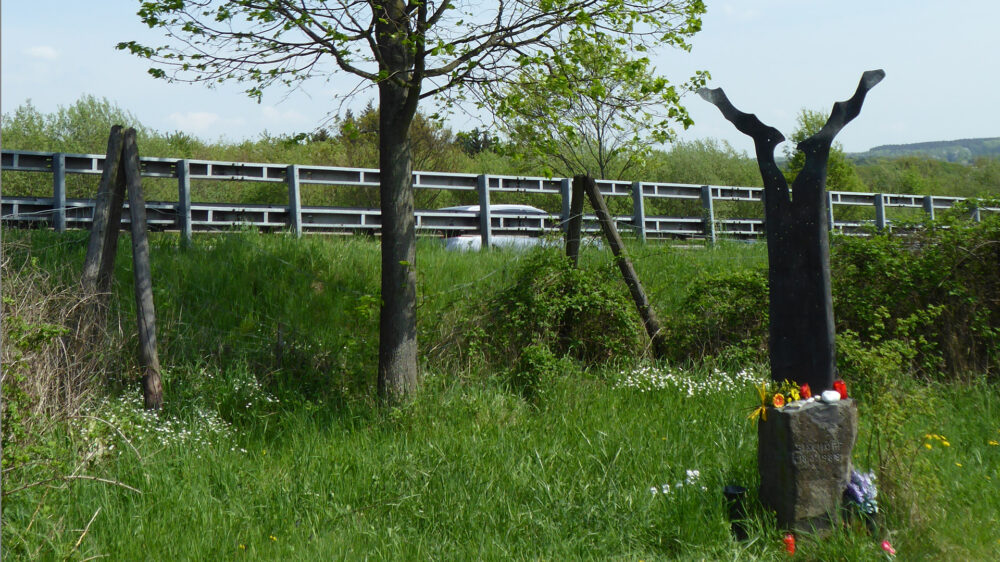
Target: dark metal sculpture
(798,247)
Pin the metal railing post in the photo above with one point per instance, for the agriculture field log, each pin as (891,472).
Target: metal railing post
(638,211)
(880,222)
(831,223)
(294,199)
(184,201)
(59,191)
(708,210)
(485,219)
(929,206)
(565,192)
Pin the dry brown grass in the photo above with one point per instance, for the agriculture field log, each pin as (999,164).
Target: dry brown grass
(56,346)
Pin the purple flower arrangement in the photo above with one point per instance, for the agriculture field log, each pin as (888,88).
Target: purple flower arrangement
(861,491)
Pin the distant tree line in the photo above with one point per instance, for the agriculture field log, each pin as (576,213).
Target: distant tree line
(351,140)
(963,151)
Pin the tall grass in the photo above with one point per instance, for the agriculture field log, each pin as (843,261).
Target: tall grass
(268,449)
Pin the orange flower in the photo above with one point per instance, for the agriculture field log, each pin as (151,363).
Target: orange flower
(840,387)
(778,400)
(806,391)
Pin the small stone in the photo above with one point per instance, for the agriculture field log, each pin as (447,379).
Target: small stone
(830,396)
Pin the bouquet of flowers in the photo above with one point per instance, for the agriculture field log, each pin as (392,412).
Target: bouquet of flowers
(861,492)
(779,395)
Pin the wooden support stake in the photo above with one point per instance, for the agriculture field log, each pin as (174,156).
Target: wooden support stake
(103,245)
(575,224)
(152,388)
(649,320)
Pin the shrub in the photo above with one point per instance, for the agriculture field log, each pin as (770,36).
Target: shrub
(725,314)
(584,314)
(937,290)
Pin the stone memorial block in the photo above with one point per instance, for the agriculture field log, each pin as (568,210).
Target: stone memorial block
(804,459)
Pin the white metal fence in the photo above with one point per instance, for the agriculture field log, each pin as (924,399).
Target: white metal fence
(182,215)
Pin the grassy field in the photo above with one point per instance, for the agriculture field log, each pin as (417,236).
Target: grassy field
(270,446)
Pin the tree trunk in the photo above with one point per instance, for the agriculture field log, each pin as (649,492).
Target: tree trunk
(397,354)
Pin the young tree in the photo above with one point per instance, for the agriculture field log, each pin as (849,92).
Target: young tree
(596,107)
(407,49)
(841,174)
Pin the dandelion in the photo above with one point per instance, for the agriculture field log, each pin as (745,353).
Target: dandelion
(958,464)
(994,442)
(273,538)
(928,446)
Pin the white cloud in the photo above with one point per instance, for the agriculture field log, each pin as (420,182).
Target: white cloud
(273,115)
(206,124)
(196,122)
(742,13)
(42,52)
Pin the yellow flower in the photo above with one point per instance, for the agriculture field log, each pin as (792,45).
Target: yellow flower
(994,442)
(958,464)
(946,444)
(761,410)
(793,395)
(927,445)
(273,538)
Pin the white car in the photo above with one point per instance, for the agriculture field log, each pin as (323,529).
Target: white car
(512,217)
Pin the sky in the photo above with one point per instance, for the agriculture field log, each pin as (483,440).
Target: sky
(772,57)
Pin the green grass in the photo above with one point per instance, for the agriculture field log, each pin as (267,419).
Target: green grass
(242,464)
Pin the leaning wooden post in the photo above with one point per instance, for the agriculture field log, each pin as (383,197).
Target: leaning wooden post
(107,218)
(649,320)
(575,222)
(152,388)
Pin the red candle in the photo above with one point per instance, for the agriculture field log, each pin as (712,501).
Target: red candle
(840,387)
(790,544)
